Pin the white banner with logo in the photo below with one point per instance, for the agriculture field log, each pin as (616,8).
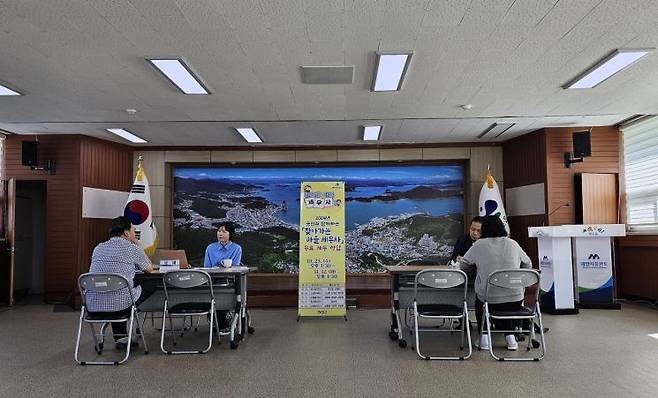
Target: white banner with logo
(594,270)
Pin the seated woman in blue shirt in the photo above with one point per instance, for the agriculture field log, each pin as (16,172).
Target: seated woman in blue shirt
(224,248)
(221,250)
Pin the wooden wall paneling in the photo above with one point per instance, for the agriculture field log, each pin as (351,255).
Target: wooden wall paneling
(103,165)
(524,163)
(524,159)
(63,206)
(638,271)
(604,159)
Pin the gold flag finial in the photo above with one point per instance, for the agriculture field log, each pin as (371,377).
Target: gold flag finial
(489,178)
(140,169)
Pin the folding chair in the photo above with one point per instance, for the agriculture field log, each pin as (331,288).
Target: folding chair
(182,306)
(514,279)
(105,283)
(441,279)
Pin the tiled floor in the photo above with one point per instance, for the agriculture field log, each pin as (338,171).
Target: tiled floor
(598,353)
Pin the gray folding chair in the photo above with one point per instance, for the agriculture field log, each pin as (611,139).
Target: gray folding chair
(194,304)
(442,279)
(514,279)
(104,283)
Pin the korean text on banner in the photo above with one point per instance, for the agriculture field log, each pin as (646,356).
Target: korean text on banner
(322,249)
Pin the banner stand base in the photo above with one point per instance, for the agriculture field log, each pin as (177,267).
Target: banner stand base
(321,317)
(560,311)
(600,306)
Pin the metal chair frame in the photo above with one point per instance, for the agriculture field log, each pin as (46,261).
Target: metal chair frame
(186,279)
(442,279)
(515,278)
(105,283)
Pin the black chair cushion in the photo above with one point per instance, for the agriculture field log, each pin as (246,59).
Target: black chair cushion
(524,311)
(439,310)
(189,308)
(110,316)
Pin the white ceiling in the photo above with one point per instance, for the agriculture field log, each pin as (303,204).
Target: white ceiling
(81,63)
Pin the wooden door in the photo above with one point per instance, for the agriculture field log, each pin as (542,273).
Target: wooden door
(7,269)
(599,198)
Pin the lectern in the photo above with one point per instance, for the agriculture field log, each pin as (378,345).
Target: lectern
(592,251)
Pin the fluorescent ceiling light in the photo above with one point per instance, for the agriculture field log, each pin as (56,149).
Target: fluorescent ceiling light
(249,135)
(390,71)
(496,129)
(178,73)
(125,134)
(608,66)
(7,91)
(654,335)
(371,133)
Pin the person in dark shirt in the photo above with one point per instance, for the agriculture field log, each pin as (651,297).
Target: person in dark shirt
(465,241)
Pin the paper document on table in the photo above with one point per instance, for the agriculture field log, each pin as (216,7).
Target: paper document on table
(167,268)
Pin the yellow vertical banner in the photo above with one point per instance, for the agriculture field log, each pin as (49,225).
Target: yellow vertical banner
(322,249)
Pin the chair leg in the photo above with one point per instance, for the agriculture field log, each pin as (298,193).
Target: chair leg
(130,336)
(164,329)
(416,332)
(487,321)
(140,325)
(97,345)
(467,325)
(214,323)
(77,340)
(171,326)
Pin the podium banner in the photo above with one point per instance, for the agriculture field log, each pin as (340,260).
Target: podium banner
(594,271)
(322,249)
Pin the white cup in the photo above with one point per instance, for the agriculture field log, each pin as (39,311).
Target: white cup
(227,263)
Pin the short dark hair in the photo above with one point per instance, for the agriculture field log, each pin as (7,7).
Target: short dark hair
(119,225)
(228,226)
(477,219)
(493,227)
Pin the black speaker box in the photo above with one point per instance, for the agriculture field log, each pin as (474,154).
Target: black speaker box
(581,144)
(30,153)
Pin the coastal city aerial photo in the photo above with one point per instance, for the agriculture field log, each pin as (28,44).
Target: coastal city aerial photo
(394,214)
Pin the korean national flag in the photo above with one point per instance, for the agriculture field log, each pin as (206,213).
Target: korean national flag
(491,203)
(138,210)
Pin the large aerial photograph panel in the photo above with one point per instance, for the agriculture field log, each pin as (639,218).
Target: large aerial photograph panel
(402,214)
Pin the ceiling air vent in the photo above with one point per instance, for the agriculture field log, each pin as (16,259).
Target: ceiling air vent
(327,74)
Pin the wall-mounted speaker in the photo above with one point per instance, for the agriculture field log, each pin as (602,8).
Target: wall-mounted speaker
(30,153)
(582,146)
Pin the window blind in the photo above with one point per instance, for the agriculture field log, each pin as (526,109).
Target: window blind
(640,141)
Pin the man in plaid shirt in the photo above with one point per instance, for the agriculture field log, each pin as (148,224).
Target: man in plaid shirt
(121,254)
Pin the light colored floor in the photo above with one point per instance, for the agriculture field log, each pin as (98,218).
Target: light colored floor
(598,353)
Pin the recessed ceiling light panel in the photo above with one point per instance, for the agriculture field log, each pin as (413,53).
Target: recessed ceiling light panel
(371,133)
(6,91)
(607,67)
(180,75)
(496,130)
(390,71)
(249,134)
(127,135)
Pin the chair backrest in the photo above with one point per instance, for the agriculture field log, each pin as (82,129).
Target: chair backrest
(441,279)
(513,279)
(102,283)
(187,279)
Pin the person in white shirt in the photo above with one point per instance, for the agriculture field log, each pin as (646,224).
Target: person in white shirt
(492,252)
